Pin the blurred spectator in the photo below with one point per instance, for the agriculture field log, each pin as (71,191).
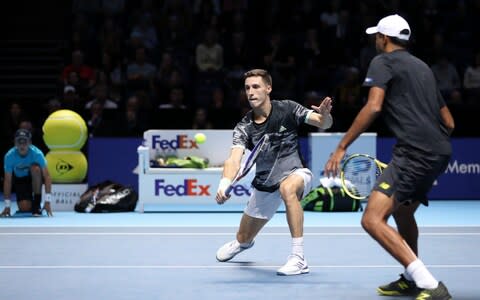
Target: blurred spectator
(132,121)
(11,121)
(71,100)
(145,31)
(176,99)
(52,106)
(174,114)
(471,81)
(86,74)
(209,53)
(97,123)
(140,73)
(112,8)
(447,77)
(279,59)
(201,120)
(348,92)
(110,42)
(102,98)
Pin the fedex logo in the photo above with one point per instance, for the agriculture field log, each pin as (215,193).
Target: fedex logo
(181,142)
(240,190)
(188,188)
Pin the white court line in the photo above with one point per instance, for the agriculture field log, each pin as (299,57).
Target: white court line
(224,267)
(219,233)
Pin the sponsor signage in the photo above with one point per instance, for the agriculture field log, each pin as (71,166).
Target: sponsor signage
(461,179)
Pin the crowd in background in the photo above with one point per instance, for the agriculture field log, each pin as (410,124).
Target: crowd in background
(173,64)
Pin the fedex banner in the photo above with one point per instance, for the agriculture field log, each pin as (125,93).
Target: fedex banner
(185,187)
(461,179)
(181,143)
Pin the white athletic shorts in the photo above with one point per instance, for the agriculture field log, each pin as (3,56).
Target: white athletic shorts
(263,205)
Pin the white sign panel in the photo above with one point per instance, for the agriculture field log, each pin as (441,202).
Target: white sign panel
(181,143)
(64,196)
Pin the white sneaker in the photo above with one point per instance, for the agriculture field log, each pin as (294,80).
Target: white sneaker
(295,265)
(230,249)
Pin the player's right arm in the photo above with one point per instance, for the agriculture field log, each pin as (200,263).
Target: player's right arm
(230,170)
(362,121)
(7,192)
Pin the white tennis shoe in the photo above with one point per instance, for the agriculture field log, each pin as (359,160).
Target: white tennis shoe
(295,265)
(230,250)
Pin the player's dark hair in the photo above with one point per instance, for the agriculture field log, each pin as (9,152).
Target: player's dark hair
(400,42)
(259,72)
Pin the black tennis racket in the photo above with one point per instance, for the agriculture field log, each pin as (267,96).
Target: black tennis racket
(359,173)
(249,162)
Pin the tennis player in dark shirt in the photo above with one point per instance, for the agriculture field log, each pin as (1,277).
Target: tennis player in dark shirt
(279,175)
(404,91)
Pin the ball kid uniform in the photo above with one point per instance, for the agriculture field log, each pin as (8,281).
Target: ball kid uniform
(280,158)
(411,109)
(19,166)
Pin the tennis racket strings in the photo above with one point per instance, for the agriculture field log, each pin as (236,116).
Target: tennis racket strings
(360,174)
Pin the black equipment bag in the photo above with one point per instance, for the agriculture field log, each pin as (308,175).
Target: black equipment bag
(107,196)
(326,199)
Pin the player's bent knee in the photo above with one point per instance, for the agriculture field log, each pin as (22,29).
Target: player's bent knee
(370,222)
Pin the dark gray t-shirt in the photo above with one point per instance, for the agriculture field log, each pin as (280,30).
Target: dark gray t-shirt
(281,157)
(412,104)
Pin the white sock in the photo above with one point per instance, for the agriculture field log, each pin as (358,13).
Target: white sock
(422,277)
(297,246)
(244,245)
(407,276)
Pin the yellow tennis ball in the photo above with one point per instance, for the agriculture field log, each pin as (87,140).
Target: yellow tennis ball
(200,138)
(66,166)
(64,129)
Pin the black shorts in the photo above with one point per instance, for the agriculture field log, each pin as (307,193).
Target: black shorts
(410,175)
(23,188)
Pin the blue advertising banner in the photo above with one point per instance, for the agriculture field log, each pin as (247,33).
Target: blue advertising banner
(461,179)
(113,159)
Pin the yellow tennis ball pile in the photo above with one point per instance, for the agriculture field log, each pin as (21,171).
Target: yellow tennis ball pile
(66,166)
(64,129)
(65,133)
(200,138)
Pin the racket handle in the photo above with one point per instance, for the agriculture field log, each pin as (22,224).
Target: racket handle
(228,190)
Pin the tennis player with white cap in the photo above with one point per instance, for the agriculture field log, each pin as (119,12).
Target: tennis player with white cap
(403,89)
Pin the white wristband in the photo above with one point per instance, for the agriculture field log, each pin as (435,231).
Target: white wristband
(48,198)
(7,202)
(224,183)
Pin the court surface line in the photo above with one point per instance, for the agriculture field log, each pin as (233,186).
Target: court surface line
(236,266)
(219,233)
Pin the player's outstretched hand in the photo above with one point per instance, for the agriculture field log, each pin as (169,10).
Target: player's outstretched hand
(332,167)
(5,213)
(325,107)
(48,208)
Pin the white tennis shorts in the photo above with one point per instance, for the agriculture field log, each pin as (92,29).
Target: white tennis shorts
(263,205)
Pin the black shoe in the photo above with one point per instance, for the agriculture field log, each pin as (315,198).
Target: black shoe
(439,293)
(400,287)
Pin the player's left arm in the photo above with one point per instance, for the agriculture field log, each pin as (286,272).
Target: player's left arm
(47,181)
(447,119)
(321,116)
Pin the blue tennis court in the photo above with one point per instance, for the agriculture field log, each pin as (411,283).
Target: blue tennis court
(172,256)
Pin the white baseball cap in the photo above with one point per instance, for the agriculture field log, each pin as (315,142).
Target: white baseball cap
(392,26)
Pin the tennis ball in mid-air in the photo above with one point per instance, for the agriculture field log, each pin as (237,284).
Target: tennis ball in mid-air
(64,129)
(200,138)
(66,166)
